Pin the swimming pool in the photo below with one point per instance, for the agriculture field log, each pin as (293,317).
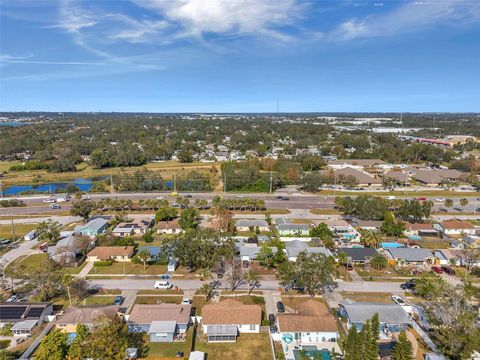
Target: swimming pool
(390,245)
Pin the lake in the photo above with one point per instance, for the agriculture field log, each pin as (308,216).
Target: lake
(84,184)
(13,123)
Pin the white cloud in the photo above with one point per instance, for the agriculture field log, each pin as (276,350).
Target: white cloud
(410,17)
(253,17)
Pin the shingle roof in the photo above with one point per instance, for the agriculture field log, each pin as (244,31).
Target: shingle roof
(312,316)
(387,313)
(172,224)
(146,314)
(93,225)
(457,224)
(358,254)
(106,252)
(410,254)
(294,251)
(362,177)
(162,327)
(153,250)
(231,312)
(359,162)
(87,314)
(249,223)
(252,251)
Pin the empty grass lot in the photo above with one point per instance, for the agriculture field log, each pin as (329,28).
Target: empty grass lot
(20,230)
(158,299)
(129,268)
(295,301)
(247,347)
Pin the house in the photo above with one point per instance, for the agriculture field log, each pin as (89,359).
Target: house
(115,253)
(69,251)
(286,228)
(92,228)
(449,256)
(362,178)
(168,227)
(409,256)
(417,230)
(456,227)
(342,229)
(313,324)
(135,227)
(86,315)
(244,225)
(472,241)
(249,253)
(295,247)
(162,322)
(223,321)
(25,317)
(358,255)
(400,177)
(369,225)
(431,177)
(393,318)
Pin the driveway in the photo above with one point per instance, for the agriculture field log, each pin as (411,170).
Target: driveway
(24,248)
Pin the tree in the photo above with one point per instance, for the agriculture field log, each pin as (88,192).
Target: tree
(448,203)
(403,348)
(266,257)
(343,260)
(49,231)
(207,290)
(463,202)
(222,219)
(166,213)
(391,227)
(83,208)
(109,339)
(189,219)
(378,261)
(251,278)
(470,258)
(430,286)
(414,210)
(233,273)
(67,282)
(78,348)
(350,344)
(312,272)
(144,257)
(370,238)
(323,232)
(53,346)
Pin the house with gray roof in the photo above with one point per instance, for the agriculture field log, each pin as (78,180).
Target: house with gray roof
(358,255)
(295,247)
(393,318)
(250,253)
(248,225)
(412,256)
(93,228)
(286,228)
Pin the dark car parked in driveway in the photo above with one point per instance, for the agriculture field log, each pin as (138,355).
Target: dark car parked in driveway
(409,285)
(437,269)
(271,320)
(280,307)
(448,270)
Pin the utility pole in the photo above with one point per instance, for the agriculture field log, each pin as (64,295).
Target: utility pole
(271,182)
(13,231)
(111,184)
(175,182)
(225,182)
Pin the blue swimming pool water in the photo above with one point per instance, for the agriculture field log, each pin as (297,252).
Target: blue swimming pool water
(391,245)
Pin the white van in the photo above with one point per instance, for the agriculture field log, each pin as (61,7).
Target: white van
(162,285)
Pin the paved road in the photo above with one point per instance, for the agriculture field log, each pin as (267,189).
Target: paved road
(140,284)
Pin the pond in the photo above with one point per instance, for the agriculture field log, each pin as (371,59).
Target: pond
(84,184)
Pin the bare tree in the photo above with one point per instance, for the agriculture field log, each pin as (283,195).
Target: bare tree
(470,257)
(233,273)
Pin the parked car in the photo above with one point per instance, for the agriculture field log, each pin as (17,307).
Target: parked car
(245,263)
(280,307)
(448,270)
(173,193)
(437,269)
(186,301)
(118,300)
(271,320)
(422,199)
(398,300)
(279,197)
(4,241)
(409,285)
(440,200)
(12,298)
(160,197)
(391,197)
(285,198)
(187,196)
(162,285)
(55,206)
(86,197)
(165,276)
(349,266)
(50,200)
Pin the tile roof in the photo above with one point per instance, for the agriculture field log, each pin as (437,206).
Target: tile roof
(231,312)
(457,224)
(146,314)
(312,316)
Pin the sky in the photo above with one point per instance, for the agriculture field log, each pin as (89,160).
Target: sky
(240,55)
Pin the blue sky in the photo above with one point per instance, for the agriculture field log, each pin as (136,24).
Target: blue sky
(239,55)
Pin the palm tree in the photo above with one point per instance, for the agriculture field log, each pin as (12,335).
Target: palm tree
(67,281)
(378,261)
(342,258)
(463,202)
(448,203)
(371,238)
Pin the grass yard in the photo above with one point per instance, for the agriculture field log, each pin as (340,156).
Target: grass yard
(34,261)
(20,230)
(247,347)
(295,301)
(169,350)
(198,302)
(389,273)
(97,300)
(129,268)
(158,299)
(378,297)
(74,270)
(324,211)
(433,245)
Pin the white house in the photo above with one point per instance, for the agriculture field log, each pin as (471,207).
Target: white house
(222,322)
(456,227)
(295,247)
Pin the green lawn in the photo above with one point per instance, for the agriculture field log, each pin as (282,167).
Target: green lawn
(247,347)
(35,261)
(74,270)
(378,297)
(169,350)
(389,273)
(129,268)
(158,299)
(97,300)
(6,231)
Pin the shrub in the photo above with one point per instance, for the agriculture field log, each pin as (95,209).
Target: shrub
(103,263)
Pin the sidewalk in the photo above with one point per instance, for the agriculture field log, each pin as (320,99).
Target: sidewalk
(86,269)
